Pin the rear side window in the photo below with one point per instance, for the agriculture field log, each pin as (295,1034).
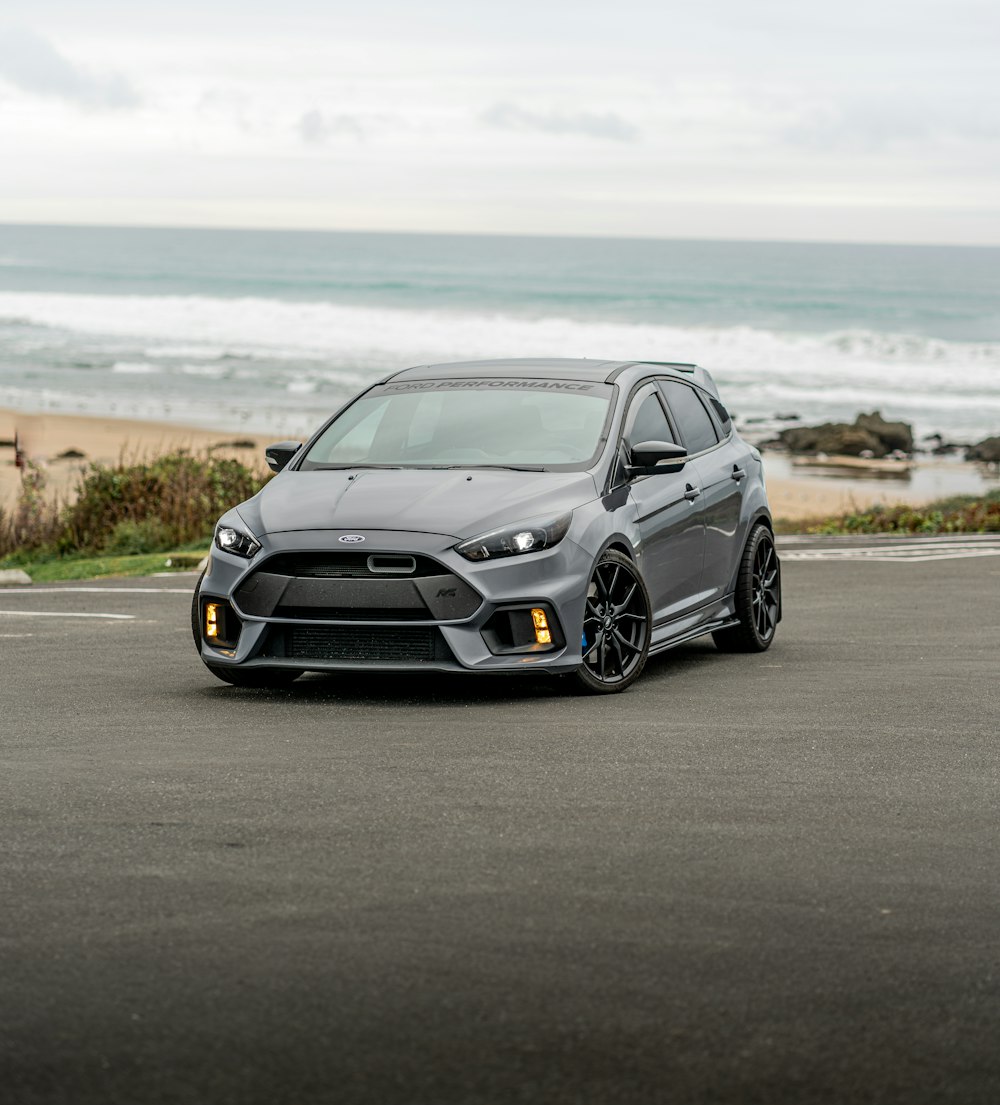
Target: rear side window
(693,421)
(724,416)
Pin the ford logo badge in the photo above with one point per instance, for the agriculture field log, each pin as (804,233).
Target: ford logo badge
(351,538)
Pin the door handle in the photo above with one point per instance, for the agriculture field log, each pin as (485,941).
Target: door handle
(692,493)
(738,473)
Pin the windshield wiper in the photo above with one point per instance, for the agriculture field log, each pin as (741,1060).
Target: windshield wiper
(349,467)
(427,467)
(505,467)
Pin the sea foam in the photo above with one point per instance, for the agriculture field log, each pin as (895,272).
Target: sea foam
(310,353)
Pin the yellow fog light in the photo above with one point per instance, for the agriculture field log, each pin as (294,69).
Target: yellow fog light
(211,619)
(543,635)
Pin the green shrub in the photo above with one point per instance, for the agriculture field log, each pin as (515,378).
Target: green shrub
(130,538)
(34,521)
(959,514)
(187,494)
(150,506)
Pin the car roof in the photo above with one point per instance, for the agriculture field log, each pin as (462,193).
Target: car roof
(555,368)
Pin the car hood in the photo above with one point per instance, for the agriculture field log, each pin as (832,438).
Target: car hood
(457,503)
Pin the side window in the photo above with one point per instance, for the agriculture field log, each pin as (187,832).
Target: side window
(689,413)
(725,418)
(646,421)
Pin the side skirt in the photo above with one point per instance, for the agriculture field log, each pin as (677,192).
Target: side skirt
(717,615)
(690,634)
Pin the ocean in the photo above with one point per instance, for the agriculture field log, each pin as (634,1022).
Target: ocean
(271,330)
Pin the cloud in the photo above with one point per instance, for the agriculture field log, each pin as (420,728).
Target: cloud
(882,123)
(33,64)
(866,128)
(508,116)
(315,127)
(230,104)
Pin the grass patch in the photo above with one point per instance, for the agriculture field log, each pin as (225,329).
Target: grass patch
(956,514)
(99,567)
(53,569)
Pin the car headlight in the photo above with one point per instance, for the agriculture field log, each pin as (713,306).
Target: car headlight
(237,542)
(528,537)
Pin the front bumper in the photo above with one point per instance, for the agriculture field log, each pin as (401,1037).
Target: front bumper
(397,623)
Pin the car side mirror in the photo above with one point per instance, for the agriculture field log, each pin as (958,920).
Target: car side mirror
(650,458)
(278,456)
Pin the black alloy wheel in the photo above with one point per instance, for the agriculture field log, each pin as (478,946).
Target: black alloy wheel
(616,626)
(758,596)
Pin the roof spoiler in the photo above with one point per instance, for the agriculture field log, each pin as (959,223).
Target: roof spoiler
(701,376)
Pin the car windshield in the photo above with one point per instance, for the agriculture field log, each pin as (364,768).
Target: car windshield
(517,423)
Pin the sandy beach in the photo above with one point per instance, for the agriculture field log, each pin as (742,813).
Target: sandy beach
(45,438)
(793,493)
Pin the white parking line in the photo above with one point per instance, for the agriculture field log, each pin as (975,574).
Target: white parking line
(99,591)
(891,555)
(909,550)
(62,614)
(897,538)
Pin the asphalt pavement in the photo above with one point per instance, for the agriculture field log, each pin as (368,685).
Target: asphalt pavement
(769,878)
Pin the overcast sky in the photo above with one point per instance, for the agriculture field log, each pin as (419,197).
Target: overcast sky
(863,120)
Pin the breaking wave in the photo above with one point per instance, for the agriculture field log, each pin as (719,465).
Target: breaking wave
(309,353)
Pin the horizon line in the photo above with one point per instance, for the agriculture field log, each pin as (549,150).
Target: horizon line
(242,228)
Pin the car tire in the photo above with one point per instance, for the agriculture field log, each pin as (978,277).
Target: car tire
(238,677)
(758,596)
(617,627)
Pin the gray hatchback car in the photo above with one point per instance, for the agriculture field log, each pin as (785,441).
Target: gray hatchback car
(566,516)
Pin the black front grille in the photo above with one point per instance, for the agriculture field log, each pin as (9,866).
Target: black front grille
(363,643)
(351,565)
(352,614)
(440,597)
